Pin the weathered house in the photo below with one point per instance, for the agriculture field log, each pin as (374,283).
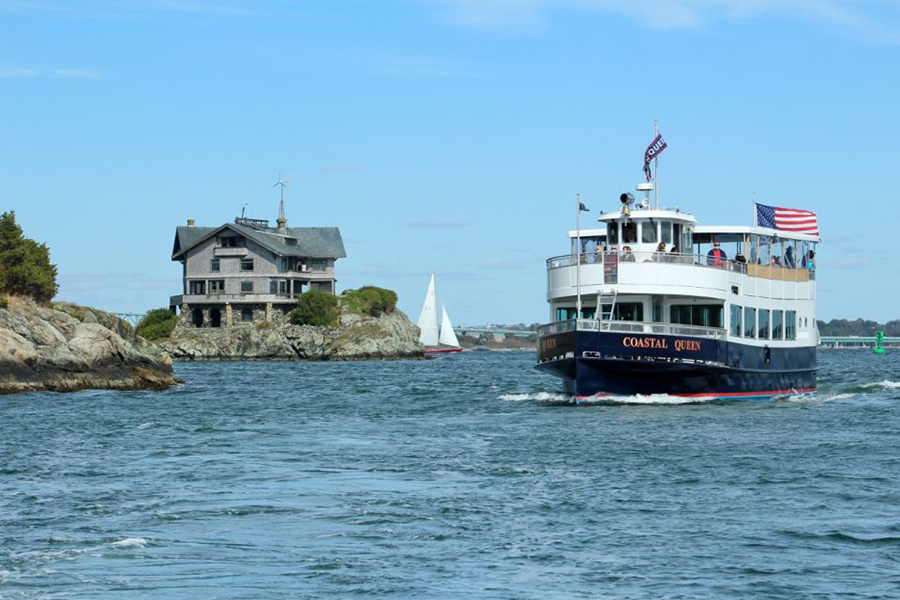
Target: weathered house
(247,271)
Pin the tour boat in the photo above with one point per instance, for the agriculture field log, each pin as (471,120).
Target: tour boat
(437,340)
(628,317)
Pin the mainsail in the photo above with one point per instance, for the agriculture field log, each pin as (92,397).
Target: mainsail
(448,336)
(428,320)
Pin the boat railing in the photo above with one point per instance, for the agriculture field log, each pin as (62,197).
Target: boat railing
(715,333)
(612,260)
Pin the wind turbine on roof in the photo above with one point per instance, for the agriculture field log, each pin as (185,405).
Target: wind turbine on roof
(282,220)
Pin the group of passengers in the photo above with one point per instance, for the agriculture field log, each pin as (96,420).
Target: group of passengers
(716,257)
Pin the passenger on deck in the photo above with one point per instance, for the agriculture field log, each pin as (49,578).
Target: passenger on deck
(789,261)
(716,256)
(660,253)
(776,261)
(627,255)
(811,264)
(673,254)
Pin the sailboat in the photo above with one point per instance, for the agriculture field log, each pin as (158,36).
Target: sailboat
(437,340)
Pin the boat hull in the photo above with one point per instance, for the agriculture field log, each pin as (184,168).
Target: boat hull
(595,363)
(444,351)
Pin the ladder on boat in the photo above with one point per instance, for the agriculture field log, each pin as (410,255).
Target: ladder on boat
(606,299)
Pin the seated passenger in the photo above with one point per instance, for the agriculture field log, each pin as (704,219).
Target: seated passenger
(776,261)
(716,256)
(660,253)
(627,255)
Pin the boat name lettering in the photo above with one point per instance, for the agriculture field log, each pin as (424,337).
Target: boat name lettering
(660,344)
(645,342)
(548,344)
(687,345)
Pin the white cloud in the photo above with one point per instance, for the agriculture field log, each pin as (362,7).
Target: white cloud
(83,74)
(879,20)
(18,73)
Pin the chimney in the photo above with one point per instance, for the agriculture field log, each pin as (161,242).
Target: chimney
(190,222)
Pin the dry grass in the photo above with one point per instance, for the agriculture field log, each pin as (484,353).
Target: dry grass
(15,302)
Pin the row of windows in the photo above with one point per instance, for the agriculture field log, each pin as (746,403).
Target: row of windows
(316,265)
(763,324)
(649,231)
(217,286)
(624,311)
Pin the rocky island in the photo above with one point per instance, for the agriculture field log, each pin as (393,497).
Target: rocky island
(63,347)
(351,337)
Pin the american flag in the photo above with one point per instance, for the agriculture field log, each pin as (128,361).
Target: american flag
(787,219)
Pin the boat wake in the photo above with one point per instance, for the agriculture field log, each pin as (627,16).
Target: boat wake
(887,384)
(601,400)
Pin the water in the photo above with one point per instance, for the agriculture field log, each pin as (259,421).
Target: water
(466,476)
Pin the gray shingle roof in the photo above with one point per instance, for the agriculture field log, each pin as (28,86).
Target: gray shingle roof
(312,242)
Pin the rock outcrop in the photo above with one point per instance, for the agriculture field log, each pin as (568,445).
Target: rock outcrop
(357,337)
(65,347)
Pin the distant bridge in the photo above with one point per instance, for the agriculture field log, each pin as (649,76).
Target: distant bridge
(856,341)
(488,330)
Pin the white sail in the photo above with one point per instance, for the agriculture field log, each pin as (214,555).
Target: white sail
(448,336)
(428,323)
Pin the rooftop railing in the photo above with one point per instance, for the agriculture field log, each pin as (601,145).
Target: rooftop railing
(611,260)
(715,333)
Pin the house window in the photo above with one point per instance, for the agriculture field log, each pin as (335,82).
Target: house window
(246,287)
(216,286)
(319,264)
(230,242)
(214,265)
(777,324)
(763,324)
(273,287)
(247,315)
(284,265)
(283,288)
(198,287)
(290,241)
(750,322)
(246,264)
(736,321)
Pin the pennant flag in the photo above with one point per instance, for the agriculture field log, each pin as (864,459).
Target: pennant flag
(653,150)
(581,206)
(787,219)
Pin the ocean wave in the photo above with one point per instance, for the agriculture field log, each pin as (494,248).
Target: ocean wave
(132,542)
(886,384)
(536,397)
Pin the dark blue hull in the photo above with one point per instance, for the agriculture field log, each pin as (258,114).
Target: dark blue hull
(595,363)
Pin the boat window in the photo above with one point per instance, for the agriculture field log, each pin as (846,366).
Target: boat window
(705,315)
(648,232)
(588,312)
(626,311)
(666,232)
(629,233)
(612,233)
(790,325)
(763,253)
(750,322)
(565,314)
(687,239)
(777,324)
(763,329)
(736,319)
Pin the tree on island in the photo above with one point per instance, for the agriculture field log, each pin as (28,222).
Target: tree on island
(25,268)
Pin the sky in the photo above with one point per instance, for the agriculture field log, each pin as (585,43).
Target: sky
(444,135)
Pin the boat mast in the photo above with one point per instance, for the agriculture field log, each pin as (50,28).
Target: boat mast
(578,206)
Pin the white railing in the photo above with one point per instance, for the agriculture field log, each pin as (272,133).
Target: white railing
(715,333)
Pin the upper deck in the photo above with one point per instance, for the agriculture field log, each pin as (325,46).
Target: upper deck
(664,252)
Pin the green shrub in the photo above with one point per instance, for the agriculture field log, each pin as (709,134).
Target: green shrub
(25,268)
(157,324)
(370,300)
(263,325)
(316,307)
(4,302)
